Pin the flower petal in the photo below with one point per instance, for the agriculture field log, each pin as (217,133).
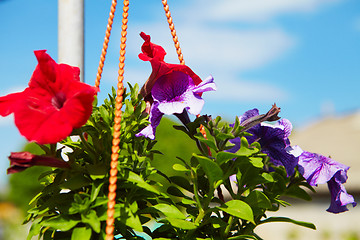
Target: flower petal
(339,196)
(207,85)
(9,103)
(155,117)
(318,169)
(53,105)
(155,54)
(20,161)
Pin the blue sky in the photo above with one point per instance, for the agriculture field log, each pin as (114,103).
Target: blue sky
(303,55)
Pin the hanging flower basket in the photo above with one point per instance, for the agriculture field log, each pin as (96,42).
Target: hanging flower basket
(105,185)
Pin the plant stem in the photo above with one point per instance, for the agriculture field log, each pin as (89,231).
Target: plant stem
(228,227)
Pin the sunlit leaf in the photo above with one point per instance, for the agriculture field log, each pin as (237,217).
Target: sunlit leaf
(238,209)
(212,170)
(169,211)
(81,233)
(289,220)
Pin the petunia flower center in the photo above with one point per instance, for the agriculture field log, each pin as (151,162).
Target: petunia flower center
(58,100)
(177,99)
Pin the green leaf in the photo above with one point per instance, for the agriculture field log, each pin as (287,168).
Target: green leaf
(75,182)
(297,192)
(207,142)
(35,228)
(245,150)
(130,219)
(134,178)
(81,233)
(267,177)
(223,157)
(175,191)
(258,199)
(182,224)
(243,237)
(217,222)
(92,219)
(61,222)
(182,182)
(169,211)
(188,201)
(257,162)
(97,185)
(289,220)
(224,136)
(238,209)
(211,169)
(97,171)
(180,168)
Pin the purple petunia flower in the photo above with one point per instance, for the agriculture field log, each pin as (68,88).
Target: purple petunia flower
(173,93)
(318,169)
(274,140)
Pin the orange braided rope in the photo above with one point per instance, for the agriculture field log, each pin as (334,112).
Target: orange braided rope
(106,43)
(178,49)
(173,32)
(116,136)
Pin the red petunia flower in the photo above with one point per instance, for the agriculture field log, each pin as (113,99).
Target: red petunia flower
(155,55)
(19,161)
(53,105)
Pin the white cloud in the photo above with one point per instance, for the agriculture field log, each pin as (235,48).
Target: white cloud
(258,10)
(212,46)
(357,24)
(236,89)
(234,50)
(216,47)
(223,52)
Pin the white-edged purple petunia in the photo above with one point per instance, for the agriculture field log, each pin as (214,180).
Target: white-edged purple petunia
(173,93)
(318,169)
(273,139)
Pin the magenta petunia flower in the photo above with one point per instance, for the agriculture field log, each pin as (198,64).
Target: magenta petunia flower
(155,55)
(318,169)
(19,161)
(170,89)
(53,105)
(273,139)
(172,94)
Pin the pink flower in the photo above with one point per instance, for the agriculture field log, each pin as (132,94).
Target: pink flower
(19,161)
(53,105)
(155,55)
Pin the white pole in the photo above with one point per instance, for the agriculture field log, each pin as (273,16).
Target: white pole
(71,33)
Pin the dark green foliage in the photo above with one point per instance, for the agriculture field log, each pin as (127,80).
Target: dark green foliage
(179,193)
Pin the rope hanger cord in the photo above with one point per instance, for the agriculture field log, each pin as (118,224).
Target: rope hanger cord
(173,32)
(178,49)
(119,98)
(106,43)
(117,120)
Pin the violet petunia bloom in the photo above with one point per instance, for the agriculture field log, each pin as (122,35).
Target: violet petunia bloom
(273,139)
(173,93)
(318,169)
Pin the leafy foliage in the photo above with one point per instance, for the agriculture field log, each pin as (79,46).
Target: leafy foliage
(184,203)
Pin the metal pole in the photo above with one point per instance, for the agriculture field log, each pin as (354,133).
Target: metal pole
(71,33)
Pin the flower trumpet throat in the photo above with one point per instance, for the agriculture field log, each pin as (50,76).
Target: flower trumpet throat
(54,103)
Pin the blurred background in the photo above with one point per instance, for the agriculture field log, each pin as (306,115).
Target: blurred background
(303,55)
